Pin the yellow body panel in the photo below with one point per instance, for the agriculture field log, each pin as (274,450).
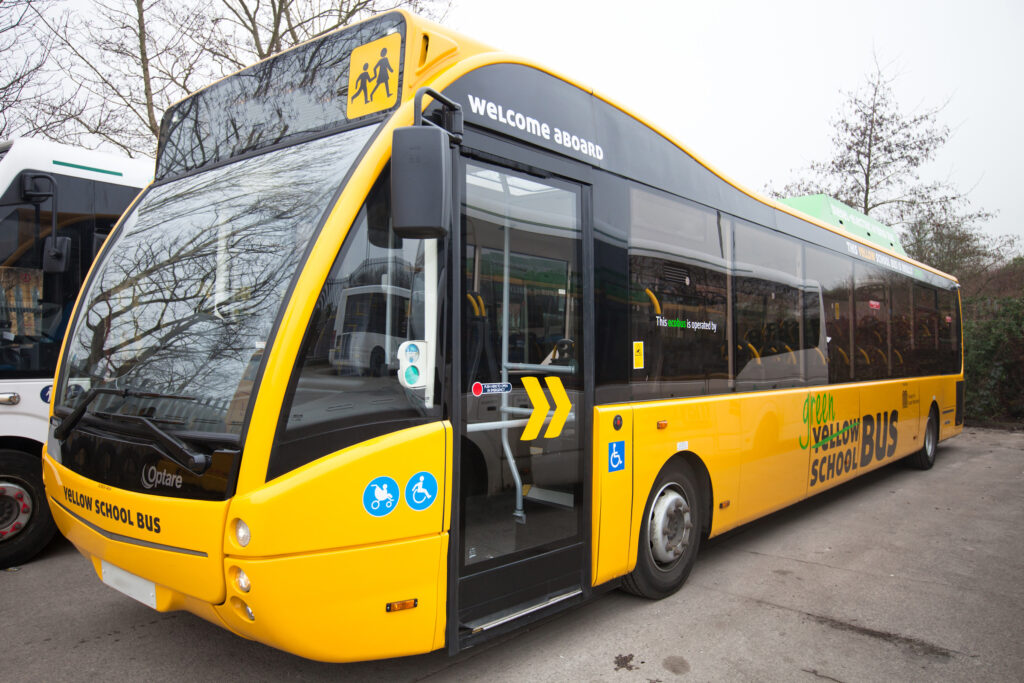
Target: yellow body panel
(320,506)
(611,552)
(331,606)
(763,451)
(184,556)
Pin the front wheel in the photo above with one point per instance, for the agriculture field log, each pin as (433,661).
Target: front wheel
(670,533)
(26,525)
(925,458)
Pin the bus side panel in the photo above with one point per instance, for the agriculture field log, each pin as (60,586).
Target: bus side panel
(355,497)
(613,493)
(708,428)
(870,426)
(775,460)
(333,606)
(941,391)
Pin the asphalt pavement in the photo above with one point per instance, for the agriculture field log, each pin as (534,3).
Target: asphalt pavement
(899,575)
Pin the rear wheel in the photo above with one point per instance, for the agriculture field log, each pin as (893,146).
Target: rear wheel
(670,533)
(925,458)
(26,525)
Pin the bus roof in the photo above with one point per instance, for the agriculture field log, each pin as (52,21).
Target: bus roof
(834,212)
(20,154)
(436,56)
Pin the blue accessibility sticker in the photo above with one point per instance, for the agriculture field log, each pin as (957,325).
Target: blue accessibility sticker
(421,491)
(381,496)
(616,456)
(44,395)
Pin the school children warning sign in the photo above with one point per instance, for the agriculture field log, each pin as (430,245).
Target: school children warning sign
(373,76)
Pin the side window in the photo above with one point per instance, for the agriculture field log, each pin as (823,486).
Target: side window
(903,360)
(949,332)
(345,388)
(871,336)
(926,330)
(767,308)
(832,275)
(35,305)
(678,297)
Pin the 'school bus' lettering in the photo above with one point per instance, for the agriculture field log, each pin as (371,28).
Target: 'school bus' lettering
(399,352)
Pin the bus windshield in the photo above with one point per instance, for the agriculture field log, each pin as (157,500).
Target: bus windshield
(183,302)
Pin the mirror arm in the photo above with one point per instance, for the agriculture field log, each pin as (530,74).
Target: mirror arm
(452,114)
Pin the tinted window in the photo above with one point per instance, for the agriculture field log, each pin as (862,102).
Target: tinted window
(832,274)
(949,332)
(184,300)
(678,297)
(767,308)
(295,94)
(871,313)
(345,389)
(35,305)
(903,360)
(926,330)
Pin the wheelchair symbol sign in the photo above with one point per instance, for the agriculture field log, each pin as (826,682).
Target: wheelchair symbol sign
(616,456)
(421,491)
(380,496)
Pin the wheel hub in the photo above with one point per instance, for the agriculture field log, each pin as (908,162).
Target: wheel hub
(670,527)
(15,509)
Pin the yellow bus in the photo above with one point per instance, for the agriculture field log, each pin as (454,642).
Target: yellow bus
(606,352)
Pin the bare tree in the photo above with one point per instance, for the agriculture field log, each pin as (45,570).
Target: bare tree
(21,68)
(130,60)
(250,30)
(878,154)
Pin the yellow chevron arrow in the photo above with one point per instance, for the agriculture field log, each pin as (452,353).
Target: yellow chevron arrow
(562,406)
(540,408)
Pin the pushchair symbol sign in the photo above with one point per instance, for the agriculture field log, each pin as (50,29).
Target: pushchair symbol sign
(380,496)
(421,491)
(616,456)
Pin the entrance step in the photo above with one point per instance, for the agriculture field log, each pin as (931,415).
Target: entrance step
(515,612)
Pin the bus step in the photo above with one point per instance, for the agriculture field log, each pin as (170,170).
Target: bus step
(513,613)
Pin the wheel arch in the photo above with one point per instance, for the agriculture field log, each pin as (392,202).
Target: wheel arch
(21,443)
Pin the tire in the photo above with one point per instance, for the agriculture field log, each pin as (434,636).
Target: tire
(676,505)
(25,520)
(925,458)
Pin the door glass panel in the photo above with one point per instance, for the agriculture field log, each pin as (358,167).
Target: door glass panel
(523,387)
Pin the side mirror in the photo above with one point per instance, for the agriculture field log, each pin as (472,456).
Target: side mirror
(421,191)
(56,254)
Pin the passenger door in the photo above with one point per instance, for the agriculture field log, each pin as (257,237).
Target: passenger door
(523,503)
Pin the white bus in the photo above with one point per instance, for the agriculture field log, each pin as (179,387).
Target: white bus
(44,258)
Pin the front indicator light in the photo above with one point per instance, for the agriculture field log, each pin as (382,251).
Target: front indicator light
(242,534)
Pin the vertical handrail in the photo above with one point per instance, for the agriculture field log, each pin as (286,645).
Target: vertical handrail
(518,514)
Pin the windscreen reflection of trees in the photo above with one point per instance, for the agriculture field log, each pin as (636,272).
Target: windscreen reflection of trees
(296,93)
(185,301)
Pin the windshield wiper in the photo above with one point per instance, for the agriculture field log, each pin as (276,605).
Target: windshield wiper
(69,423)
(175,449)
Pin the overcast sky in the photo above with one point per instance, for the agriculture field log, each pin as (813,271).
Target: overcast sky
(751,86)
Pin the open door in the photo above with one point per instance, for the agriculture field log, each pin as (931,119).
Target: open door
(523,393)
